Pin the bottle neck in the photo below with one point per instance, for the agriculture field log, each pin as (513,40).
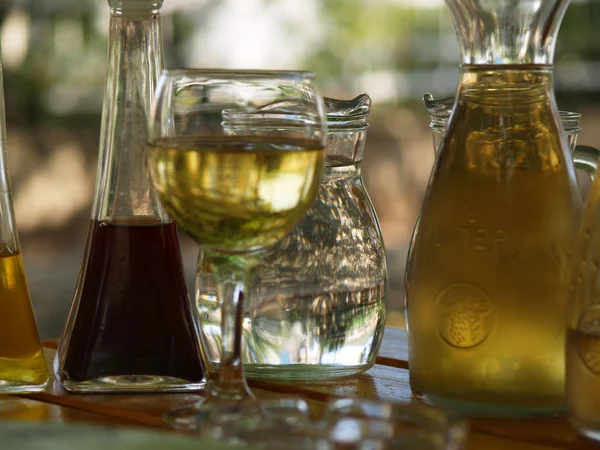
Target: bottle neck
(3,143)
(9,242)
(135,60)
(134,9)
(507,31)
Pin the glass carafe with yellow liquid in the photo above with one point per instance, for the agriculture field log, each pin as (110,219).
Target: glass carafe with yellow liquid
(487,280)
(22,364)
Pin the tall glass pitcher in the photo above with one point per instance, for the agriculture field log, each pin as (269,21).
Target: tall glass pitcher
(130,327)
(22,364)
(488,275)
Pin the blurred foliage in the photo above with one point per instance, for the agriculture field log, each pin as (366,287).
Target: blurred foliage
(360,37)
(580,32)
(54,54)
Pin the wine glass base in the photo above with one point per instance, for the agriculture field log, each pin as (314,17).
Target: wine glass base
(187,418)
(216,410)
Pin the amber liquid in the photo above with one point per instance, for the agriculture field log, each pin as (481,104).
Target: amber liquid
(487,283)
(22,362)
(134,319)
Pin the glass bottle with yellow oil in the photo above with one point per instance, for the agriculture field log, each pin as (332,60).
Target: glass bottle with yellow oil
(22,364)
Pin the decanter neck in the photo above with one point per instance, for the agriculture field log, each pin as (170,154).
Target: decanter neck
(9,240)
(507,31)
(3,142)
(135,60)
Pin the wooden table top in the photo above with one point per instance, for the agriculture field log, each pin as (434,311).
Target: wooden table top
(387,380)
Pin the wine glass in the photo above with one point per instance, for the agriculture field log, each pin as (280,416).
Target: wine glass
(235,194)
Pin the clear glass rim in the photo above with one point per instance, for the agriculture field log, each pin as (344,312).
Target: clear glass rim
(570,121)
(569,115)
(239,73)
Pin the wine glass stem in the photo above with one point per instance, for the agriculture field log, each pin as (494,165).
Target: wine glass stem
(232,381)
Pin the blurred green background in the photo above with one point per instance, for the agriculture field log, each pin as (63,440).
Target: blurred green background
(54,55)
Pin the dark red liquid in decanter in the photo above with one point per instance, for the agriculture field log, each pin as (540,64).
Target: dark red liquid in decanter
(134,315)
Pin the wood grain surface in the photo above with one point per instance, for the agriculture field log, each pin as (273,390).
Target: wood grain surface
(387,380)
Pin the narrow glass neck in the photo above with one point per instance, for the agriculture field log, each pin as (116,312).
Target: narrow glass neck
(135,60)
(507,31)
(3,144)
(134,9)
(9,242)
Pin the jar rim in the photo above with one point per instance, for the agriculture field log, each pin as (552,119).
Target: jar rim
(348,115)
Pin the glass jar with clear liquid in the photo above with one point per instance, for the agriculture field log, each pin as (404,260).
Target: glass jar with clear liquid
(487,279)
(316,306)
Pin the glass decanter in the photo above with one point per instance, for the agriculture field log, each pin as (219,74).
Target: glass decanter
(487,279)
(22,363)
(316,307)
(131,326)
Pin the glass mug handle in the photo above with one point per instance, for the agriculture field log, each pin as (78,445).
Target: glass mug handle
(586,159)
